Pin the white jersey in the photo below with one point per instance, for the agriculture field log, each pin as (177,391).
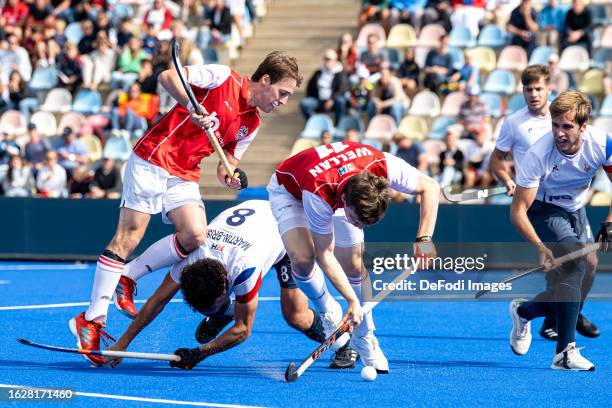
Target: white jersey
(563,180)
(245,239)
(520,131)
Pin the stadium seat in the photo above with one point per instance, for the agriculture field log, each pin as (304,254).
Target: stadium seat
(45,122)
(516,102)
(58,100)
(13,122)
(492,36)
(93,146)
(592,82)
(452,103)
(413,127)
(377,144)
(440,125)
(87,102)
(594,105)
(457,57)
(601,57)
(604,123)
(117,148)
(429,37)
(599,16)
(366,30)
(433,148)
(606,38)
(381,128)
(74,32)
(302,144)
(461,37)
(402,36)
(394,58)
(211,56)
(73,120)
(316,124)
(606,106)
(512,58)
(540,55)
(347,122)
(494,103)
(483,58)
(425,103)
(575,59)
(43,79)
(500,81)
(253,193)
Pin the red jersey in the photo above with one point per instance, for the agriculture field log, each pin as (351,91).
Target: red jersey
(324,170)
(178,145)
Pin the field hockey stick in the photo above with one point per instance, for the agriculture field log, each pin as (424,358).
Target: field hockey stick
(472,195)
(105,353)
(579,253)
(196,106)
(292,373)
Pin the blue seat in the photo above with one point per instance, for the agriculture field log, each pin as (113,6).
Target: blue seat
(516,102)
(595,112)
(393,57)
(316,124)
(377,144)
(599,16)
(606,106)
(347,122)
(43,79)
(492,36)
(74,32)
(117,148)
(210,55)
(253,193)
(439,126)
(540,55)
(87,102)
(601,57)
(461,37)
(457,57)
(493,102)
(500,81)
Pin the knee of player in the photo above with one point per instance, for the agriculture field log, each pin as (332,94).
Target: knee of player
(190,240)
(302,265)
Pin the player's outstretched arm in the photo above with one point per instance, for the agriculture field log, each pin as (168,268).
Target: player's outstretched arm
(153,307)
(500,170)
(244,315)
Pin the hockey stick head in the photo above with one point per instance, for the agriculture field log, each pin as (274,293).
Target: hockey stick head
(447,193)
(290,373)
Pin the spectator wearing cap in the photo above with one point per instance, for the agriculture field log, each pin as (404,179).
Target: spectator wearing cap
(51,178)
(107,181)
(327,88)
(559,79)
(71,152)
(36,148)
(523,26)
(473,113)
(411,151)
(388,97)
(18,179)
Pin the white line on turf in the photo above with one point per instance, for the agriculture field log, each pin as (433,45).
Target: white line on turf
(4,282)
(141,399)
(45,267)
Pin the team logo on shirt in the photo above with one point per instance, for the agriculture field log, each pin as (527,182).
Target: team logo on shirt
(218,247)
(242,133)
(555,167)
(346,168)
(587,168)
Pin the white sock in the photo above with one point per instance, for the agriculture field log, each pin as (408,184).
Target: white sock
(108,273)
(315,289)
(367,324)
(164,252)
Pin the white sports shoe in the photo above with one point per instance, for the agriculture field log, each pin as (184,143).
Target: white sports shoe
(370,352)
(331,320)
(571,359)
(520,335)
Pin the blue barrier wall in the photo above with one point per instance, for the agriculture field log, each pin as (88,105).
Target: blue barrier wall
(80,229)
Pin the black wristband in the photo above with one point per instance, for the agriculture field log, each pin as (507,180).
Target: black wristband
(423,238)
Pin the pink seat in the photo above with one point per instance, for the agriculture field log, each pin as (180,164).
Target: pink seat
(73,120)
(513,58)
(381,127)
(366,30)
(452,103)
(13,122)
(429,36)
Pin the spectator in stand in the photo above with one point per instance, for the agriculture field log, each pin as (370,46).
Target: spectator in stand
(146,78)
(14,57)
(466,77)
(21,98)
(18,179)
(124,33)
(352,135)
(71,152)
(102,24)
(190,53)
(8,147)
(374,58)
(438,66)
(128,64)
(347,53)
(474,115)
(408,73)
(552,23)
(161,57)
(159,15)
(452,161)
(36,148)
(468,13)
(59,37)
(45,53)
(97,67)
(134,110)
(374,10)
(218,20)
(66,10)
(478,155)
(389,97)
(149,39)
(437,12)
(15,13)
(106,181)
(4,101)
(79,185)
(326,89)
(325,138)
(70,70)
(51,178)
(578,26)
(559,79)
(523,26)
(361,92)
(406,12)
(40,12)
(411,151)
(86,44)
(237,10)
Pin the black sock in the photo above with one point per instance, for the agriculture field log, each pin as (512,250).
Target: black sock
(568,308)
(315,332)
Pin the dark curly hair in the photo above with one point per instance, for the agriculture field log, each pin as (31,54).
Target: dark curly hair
(202,282)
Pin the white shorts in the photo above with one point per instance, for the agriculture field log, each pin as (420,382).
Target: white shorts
(150,189)
(289,213)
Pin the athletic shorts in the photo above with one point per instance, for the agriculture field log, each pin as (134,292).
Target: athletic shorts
(150,189)
(289,213)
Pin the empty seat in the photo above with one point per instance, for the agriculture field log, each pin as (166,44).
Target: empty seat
(58,100)
(592,82)
(512,58)
(540,55)
(433,148)
(117,148)
(73,120)
(347,122)
(483,58)
(452,103)
(601,57)
(381,127)
(500,81)
(401,36)
(516,102)
(606,106)
(492,36)
(316,124)
(87,101)
(604,123)
(425,103)
(461,37)
(93,146)
(494,103)
(45,122)
(457,57)
(43,79)
(429,37)
(413,127)
(574,58)
(366,30)
(13,122)
(74,32)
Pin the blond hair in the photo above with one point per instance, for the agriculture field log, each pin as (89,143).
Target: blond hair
(574,102)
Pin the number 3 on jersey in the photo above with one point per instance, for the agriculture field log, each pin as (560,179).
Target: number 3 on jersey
(239,216)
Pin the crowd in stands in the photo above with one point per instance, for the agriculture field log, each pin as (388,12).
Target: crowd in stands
(432,80)
(78,83)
